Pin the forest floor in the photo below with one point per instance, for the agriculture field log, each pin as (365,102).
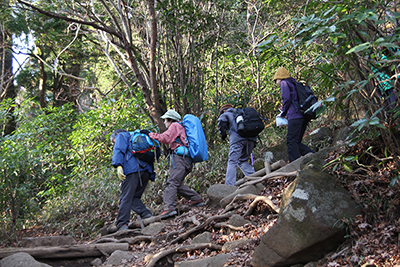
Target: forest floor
(373,237)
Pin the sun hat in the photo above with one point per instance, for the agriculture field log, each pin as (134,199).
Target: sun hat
(281,74)
(171,114)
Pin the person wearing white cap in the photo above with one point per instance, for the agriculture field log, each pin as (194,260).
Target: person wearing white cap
(181,164)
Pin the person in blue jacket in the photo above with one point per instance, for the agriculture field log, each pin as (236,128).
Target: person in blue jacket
(297,124)
(134,175)
(240,148)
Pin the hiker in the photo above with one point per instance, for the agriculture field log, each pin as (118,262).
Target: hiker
(134,175)
(385,83)
(297,124)
(240,148)
(181,164)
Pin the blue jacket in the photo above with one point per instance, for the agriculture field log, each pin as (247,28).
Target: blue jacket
(289,95)
(122,156)
(228,117)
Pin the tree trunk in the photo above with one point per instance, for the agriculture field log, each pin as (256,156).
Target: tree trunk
(7,88)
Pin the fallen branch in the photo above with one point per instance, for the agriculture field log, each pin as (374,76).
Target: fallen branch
(201,226)
(182,249)
(269,176)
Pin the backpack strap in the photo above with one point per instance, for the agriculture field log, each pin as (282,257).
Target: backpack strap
(178,140)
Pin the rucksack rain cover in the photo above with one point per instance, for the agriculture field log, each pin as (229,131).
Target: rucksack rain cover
(144,148)
(196,138)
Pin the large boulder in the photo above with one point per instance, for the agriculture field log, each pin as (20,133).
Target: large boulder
(309,223)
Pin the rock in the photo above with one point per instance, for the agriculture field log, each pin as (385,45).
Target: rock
(341,136)
(21,259)
(216,261)
(319,138)
(202,238)
(311,264)
(237,220)
(217,192)
(280,152)
(251,189)
(317,158)
(119,257)
(47,241)
(154,228)
(308,225)
(294,165)
(96,262)
(232,245)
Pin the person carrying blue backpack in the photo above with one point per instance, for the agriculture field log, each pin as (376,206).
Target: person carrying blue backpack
(134,175)
(181,164)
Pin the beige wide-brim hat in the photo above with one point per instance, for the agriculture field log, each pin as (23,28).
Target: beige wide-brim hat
(171,114)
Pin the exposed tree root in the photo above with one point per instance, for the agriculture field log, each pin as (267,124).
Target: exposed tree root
(130,240)
(265,200)
(253,204)
(227,225)
(272,175)
(182,249)
(201,226)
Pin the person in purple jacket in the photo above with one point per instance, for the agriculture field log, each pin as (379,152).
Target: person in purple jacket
(297,124)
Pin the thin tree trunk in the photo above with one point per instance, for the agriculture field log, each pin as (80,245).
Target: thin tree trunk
(7,89)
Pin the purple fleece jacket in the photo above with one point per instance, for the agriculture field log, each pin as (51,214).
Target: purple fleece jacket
(288,92)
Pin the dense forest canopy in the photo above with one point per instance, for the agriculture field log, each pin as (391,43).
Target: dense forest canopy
(96,66)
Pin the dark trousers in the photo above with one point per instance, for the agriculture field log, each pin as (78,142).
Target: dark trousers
(131,192)
(295,148)
(180,168)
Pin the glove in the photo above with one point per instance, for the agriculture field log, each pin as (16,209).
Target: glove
(120,173)
(223,136)
(145,132)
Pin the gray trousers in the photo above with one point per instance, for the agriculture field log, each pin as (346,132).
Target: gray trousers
(239,154)
(131,192)
(181,167)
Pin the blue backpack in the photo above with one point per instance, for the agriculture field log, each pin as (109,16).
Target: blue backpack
(144,148)
(195,137)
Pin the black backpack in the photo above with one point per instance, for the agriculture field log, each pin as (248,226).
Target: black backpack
(249,122)
(306,99)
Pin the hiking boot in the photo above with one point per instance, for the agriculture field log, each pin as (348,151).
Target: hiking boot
(167,213)
(123,227)
(147,216)
(196,203)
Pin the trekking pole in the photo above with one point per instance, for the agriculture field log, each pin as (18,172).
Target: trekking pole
(252,161)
